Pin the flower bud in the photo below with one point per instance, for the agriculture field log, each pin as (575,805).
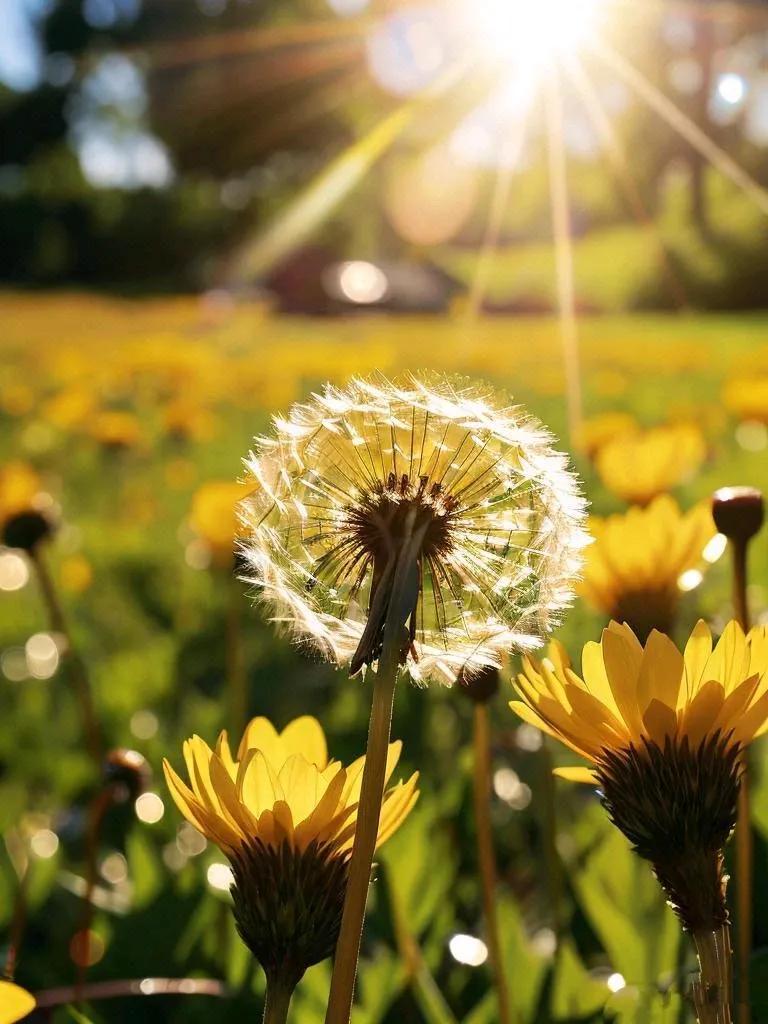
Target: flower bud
(26,530)
(127,772)
(738,512)
(480,686)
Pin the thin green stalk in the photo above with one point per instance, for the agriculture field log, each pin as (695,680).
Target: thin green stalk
(372,790)
(278,999)
(237,681)
(712,990)
(743,837)
(77,672)
(549,835)
(428,996)
(486,857)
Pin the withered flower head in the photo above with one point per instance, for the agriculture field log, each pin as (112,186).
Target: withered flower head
(285,816)
(664,732)
(490,510)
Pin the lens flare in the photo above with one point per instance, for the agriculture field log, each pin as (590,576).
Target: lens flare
(534,33)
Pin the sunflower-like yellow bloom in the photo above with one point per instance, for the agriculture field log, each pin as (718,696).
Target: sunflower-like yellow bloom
(635,568)
(213,516)
(638,467)
(285,816)
(664,731)
(490,510)
(599,430)
(15,1002)
(747,398)
(115,429)
(19,485)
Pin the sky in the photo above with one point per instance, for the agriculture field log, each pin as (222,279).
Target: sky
(19,56)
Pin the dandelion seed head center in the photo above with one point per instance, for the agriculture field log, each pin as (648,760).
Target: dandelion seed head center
(379,521)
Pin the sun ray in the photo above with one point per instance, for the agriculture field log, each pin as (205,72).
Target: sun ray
(180,52)
(508,164)
(563,239)
(305,214)
(617,156)
(681,123)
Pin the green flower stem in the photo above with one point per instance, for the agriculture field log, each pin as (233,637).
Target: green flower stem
(77,672)
(372,790)
(743,837)
(712,991)
(428,996)
(278,999)
(237,681)
(486,857)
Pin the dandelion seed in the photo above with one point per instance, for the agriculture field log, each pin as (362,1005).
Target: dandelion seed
(495,515)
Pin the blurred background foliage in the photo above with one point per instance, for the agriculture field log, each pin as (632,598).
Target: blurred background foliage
(142,142)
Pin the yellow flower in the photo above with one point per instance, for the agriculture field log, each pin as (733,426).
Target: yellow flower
(635,569)
(597,431)
(15,1002)
(186,420)
(664,732)
(285,816)
(747,398)
(213,515)
(641,466)
(19,485)
(115,429)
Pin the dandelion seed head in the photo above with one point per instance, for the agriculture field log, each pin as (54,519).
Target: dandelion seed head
(341,479)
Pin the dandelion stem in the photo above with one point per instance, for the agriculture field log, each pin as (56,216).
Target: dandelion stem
(374,778)
(712,991)
(486,857)
(278,999)
(78,674)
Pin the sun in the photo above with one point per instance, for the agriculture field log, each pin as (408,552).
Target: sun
(534,32)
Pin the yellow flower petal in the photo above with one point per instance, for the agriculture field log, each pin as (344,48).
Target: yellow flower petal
(15,1002)
(697,654)
(261,735)
(305,736)
(622,661)
(258,785)
(661,672)
(577,774)
(701,714)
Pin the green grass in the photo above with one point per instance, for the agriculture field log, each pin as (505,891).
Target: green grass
(153,630)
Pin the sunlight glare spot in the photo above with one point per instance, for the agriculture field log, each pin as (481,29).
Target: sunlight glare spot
(715,548)
(689,580)
(468,950)
(149,808)
(752,436)
(14,573)
(361,282)
(406,51)
(348,8)
(616,982)
(532,33)
(731,88)
(220,877)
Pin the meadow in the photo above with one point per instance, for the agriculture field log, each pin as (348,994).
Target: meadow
(123,410)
